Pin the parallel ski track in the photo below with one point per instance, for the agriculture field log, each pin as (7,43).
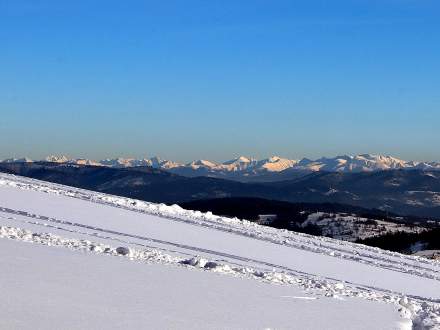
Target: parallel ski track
(237,260)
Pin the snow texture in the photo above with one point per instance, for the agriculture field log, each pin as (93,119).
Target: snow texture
(322,268)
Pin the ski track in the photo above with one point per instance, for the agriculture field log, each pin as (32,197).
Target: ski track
(424,312)
(405,268)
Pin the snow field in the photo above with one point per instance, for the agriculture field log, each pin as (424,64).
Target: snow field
(98,224)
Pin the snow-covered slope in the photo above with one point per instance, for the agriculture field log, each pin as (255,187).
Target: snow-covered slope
(130,263)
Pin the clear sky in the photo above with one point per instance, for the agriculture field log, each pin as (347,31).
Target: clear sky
(215,79)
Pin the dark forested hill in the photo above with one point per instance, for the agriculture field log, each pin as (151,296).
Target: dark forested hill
(407,192)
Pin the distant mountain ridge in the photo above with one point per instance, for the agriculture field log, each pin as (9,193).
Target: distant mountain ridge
(250,169)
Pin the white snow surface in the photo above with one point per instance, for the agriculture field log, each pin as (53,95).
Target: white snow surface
(134,264)
(120,294)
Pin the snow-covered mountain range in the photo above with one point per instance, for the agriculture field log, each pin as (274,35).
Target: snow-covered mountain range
(245,166)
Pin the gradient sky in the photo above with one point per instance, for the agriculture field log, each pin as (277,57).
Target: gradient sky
(215,79)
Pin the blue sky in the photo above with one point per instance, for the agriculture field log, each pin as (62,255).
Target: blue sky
(216,79)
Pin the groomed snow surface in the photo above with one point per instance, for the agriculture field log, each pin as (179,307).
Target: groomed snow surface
(78,259)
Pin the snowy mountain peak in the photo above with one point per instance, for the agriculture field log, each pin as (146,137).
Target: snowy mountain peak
(243,159)
(168,164)
(57,159)
(116,162)
(239,160)
(277,164)
(203,163)
(83,161)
